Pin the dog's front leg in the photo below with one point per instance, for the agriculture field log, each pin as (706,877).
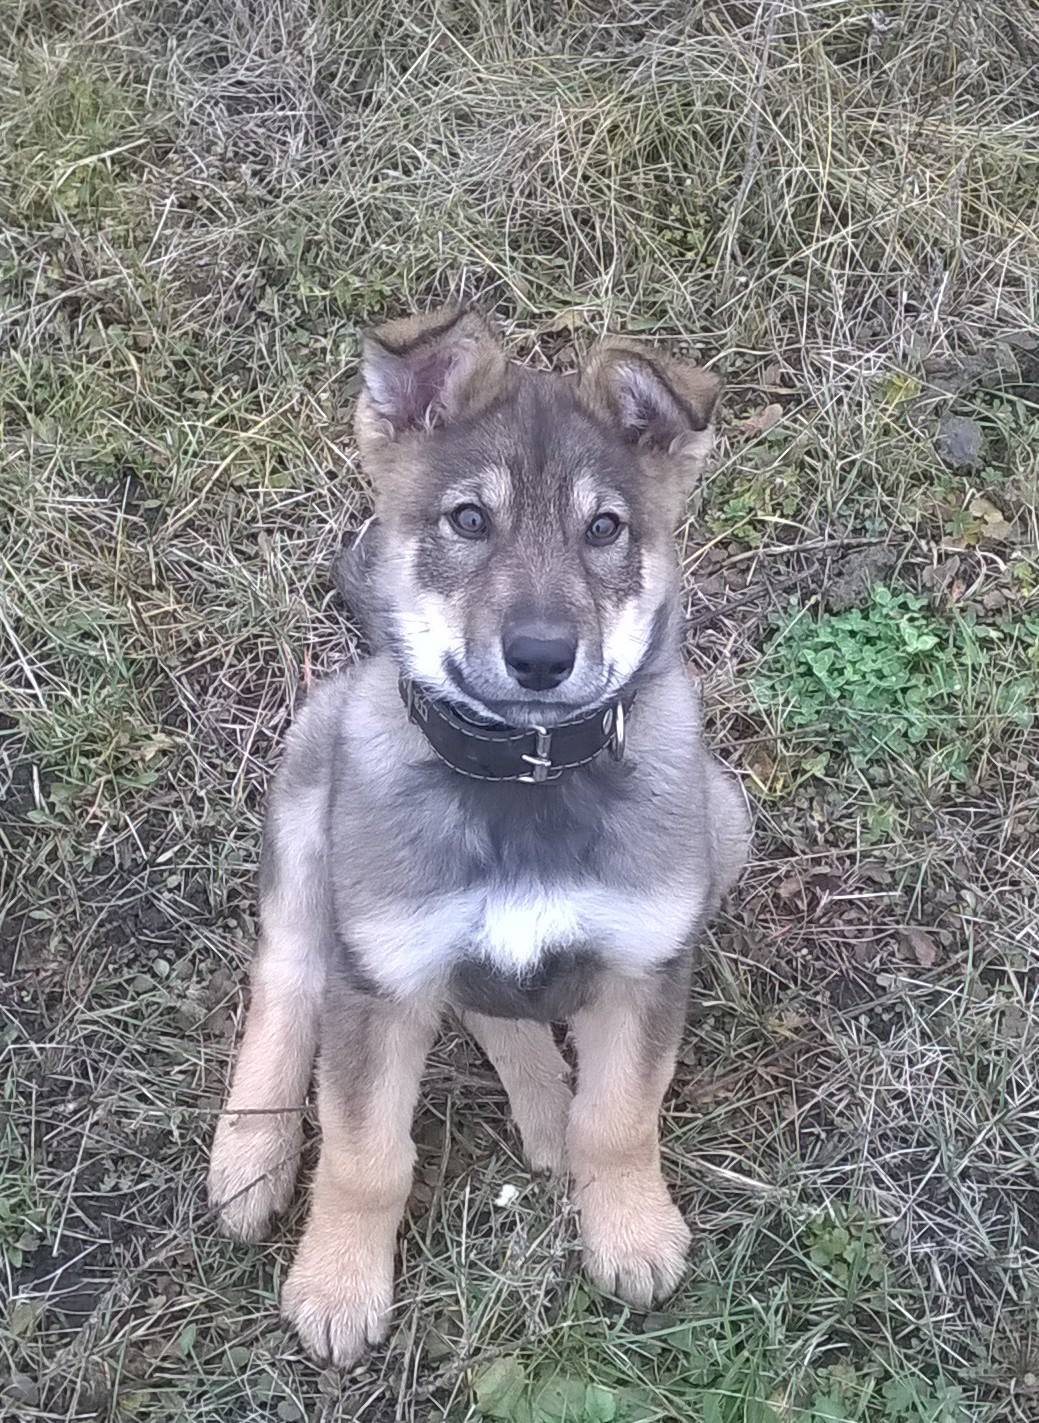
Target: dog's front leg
(534,1074)
(259,1135)
(340,1288)
(634,1238)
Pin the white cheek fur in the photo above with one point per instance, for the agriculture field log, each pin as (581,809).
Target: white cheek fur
(625,643)
(425,626)
(627,638)
(428,637)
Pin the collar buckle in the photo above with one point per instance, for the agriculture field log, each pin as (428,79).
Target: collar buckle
(541,760)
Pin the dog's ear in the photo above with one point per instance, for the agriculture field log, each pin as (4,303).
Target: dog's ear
(422,372)
(660,405)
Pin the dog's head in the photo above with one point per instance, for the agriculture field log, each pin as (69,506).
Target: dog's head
(526,563)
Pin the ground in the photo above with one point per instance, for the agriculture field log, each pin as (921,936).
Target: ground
(201,205)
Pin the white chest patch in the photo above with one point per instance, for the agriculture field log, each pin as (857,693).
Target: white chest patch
(411,945)
(516,929)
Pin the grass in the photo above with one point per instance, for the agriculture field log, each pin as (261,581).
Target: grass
(200,206)
(890,681)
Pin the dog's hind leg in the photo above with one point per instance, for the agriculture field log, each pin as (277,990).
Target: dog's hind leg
(258,1138)
(340,1288)
(535,1077)
(634,1238)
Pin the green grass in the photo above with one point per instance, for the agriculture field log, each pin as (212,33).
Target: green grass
(201,205)
(892,683)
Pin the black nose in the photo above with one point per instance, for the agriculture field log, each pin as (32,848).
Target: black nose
(539,658)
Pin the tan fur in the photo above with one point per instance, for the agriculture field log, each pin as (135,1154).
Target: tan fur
(616,363)
(535,1076)
(700,388)
(477,372)
(340,1288)
(634,1238)
(255,1155)
(391,890)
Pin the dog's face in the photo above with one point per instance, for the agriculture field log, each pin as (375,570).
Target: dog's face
(526,564)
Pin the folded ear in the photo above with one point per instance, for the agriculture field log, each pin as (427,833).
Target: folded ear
(664,406)
(424,371)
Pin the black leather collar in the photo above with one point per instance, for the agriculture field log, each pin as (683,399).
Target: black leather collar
(493,752)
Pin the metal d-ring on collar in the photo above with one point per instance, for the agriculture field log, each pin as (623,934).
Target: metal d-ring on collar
(534,756)
(617,717)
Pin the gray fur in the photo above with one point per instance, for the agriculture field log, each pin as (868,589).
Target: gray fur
(353,572)
(483,894)
(393,887)
(414,853)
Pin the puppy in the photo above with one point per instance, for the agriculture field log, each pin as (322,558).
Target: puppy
(507,811)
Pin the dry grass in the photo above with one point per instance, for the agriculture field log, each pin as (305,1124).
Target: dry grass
(200,204)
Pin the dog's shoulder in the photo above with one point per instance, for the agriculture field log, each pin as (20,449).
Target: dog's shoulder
(354,575)
(310,745)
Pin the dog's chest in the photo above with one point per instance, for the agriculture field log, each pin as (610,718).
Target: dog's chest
(517,931)
(489,876)
(515,927)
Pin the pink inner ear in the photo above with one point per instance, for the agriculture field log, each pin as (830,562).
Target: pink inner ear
(410,390)
(649,413)
(638,412)
(431,378)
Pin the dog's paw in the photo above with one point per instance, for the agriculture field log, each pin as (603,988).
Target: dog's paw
(252,1171)
(634,1238)
(340,1289)
(545,1148)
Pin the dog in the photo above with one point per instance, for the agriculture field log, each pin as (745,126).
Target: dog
(506,811)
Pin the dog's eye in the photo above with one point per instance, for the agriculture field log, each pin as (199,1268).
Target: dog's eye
(469,520)
(603,529)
